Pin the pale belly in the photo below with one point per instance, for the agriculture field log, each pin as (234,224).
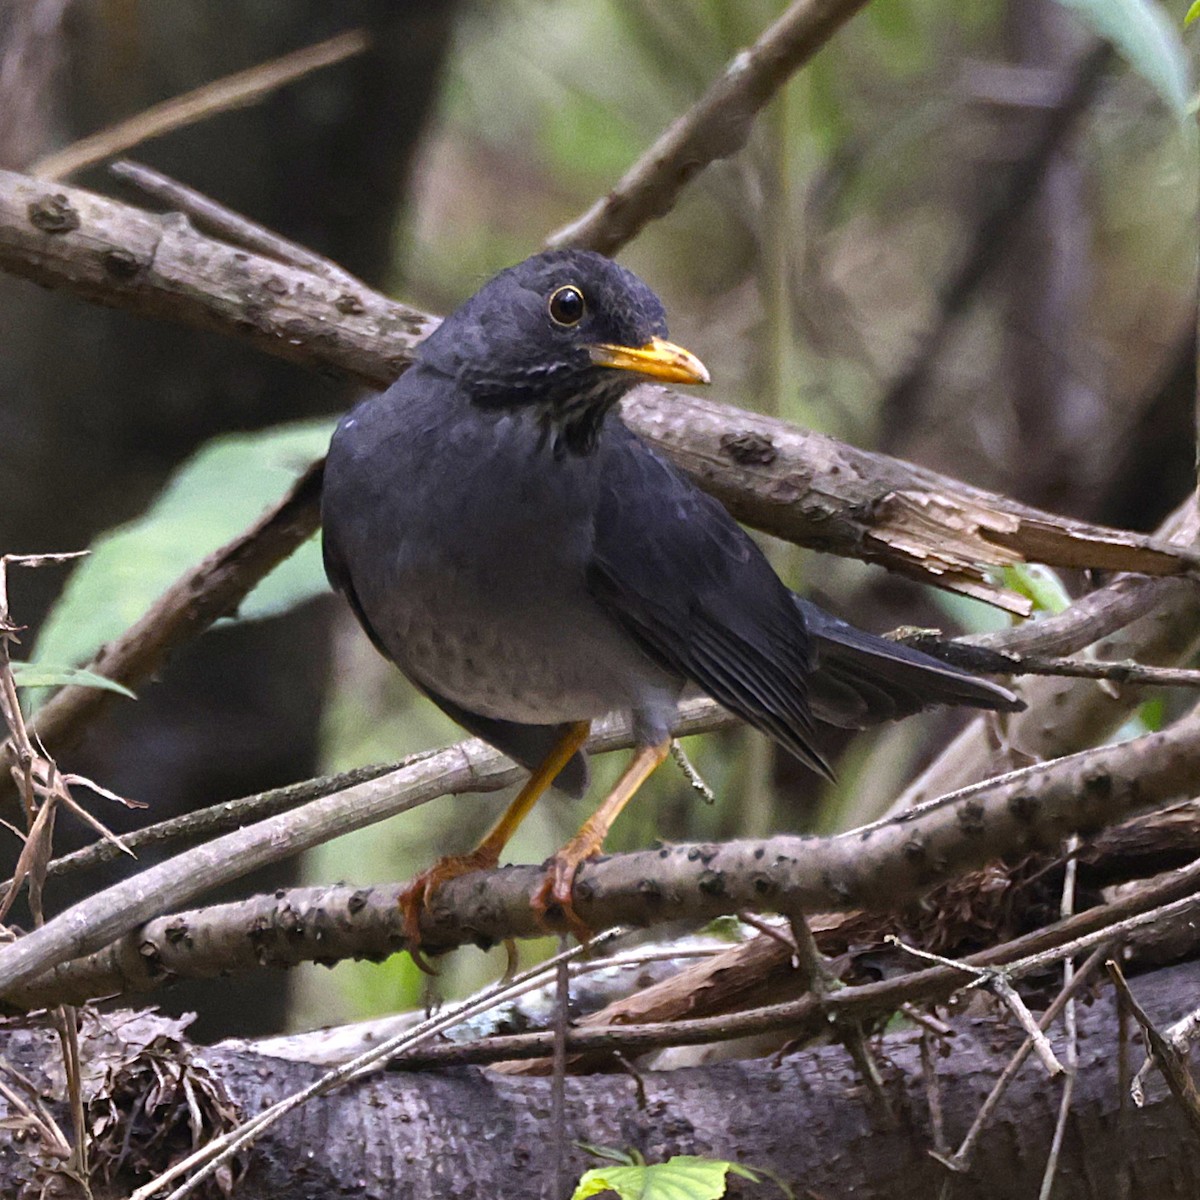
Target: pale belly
(529,666)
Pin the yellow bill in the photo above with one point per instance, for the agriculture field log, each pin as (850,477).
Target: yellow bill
(658,359)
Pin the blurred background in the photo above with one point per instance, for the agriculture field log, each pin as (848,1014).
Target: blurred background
(964,235)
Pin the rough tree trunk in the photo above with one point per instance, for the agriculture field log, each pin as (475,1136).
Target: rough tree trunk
(470,1132)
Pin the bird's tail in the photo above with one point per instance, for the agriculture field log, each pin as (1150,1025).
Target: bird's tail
(860,679)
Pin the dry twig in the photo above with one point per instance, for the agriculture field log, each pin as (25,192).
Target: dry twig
(960,1161)
(1167,1057)
(717,126)
(233,91)
(1070,1026)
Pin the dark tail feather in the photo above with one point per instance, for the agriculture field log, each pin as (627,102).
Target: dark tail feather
(860,679)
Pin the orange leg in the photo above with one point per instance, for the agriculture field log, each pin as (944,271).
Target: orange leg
(556,889)
(420,891)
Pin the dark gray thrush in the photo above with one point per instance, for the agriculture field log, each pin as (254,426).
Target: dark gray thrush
(531,565)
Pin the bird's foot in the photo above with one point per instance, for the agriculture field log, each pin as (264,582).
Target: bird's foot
(556,893)
(415,898)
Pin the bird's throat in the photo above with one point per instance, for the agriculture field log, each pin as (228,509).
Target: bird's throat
(574,427)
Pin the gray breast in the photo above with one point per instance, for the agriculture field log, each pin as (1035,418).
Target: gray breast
(480,595)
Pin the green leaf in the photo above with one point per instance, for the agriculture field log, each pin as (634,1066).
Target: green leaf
(682,1178)
(39,675)
(1147,38)
(1148,717)
(215,495)
(1040,584)
(1192,14)
(1153,714)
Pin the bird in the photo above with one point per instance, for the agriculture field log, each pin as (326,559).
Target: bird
(531,564)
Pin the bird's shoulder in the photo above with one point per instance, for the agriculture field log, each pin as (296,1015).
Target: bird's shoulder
(420,402)
(652,519)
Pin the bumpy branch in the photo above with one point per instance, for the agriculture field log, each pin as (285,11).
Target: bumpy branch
(878,867)
(802,486)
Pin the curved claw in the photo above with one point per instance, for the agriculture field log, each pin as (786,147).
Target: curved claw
(412,902)
(557,892)
(416,897)
(557,888)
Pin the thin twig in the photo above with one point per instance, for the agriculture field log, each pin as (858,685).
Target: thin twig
(43,790)
(960,1161)
(558,1076)
(821,982)
(220,818)
(230,226)
(851,1035)
(927,1021)
(694,778)
(809,960)
(717,126)
(1170,1062)
(1180,1035)
(996,981)
(232,91)
(933,1095)
(1070,1027)
(773,931)
(34,1110)
(66,1022)
(1000,987)
(984,661)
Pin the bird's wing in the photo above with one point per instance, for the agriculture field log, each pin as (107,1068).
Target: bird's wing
(689,585)
(528,745)
(861,679)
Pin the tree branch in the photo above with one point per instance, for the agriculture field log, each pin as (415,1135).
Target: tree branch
(220,818)
(806,1120)
(716,127)
(801,486)
(232,91)
(469,766)
(879,867)
(74,239)
(1165,628)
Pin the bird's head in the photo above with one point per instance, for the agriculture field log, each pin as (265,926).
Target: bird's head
(566,333)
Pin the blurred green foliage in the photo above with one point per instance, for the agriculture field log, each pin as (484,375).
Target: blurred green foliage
(212,498)
(31,675)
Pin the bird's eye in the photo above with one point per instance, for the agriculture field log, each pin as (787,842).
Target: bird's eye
(567,306)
